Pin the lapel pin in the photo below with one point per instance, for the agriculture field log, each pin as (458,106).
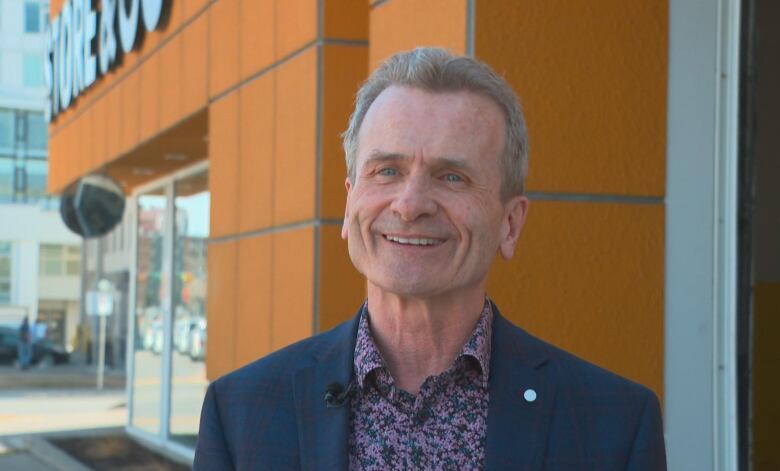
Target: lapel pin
(529,395)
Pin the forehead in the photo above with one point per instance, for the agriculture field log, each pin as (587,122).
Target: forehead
(411,121)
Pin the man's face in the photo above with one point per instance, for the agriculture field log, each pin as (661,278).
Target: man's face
(424,215)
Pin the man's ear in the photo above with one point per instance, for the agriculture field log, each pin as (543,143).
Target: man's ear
(516,211)
(345,224)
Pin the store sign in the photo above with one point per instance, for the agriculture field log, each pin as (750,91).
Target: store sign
(84,43)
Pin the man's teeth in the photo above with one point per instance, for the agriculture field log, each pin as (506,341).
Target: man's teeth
(413,241)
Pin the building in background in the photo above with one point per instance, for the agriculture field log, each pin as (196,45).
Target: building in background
(40,260)
(222,121)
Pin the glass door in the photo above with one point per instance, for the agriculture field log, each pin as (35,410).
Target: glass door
(188,355)
(149,318)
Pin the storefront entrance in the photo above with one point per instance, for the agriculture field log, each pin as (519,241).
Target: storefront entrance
(169,305)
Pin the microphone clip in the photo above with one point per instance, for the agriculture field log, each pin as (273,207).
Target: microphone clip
(336,395)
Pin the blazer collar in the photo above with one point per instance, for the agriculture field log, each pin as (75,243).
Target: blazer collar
(516,427)
(521,399)
(323,431)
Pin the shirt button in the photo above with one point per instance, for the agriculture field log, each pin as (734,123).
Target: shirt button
(529,395)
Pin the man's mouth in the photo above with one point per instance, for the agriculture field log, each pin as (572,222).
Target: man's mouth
(418,241)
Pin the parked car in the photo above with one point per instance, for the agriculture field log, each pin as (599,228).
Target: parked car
(44,351)
(198,341)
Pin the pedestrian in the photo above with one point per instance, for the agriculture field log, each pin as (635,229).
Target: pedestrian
(24,348)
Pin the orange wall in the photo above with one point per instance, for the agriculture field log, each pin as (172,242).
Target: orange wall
(277,79)
(280,94)
(589,274)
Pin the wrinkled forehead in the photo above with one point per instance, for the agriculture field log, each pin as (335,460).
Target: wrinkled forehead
(412,121)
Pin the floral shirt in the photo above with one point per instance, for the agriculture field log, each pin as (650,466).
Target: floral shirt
(442,427)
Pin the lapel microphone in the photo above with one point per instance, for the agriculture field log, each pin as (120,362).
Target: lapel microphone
(336,395)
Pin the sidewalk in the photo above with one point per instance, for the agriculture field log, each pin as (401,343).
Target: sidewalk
(59,377)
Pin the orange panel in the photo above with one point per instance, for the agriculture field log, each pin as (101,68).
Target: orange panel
(255,186)
(221,309)
(253,324)
(293,286)
(223,168)
(346,19)
(295,159)
(88,157)
(223,45)
(399,25)
(113,100)
(593,82)
(296,25)
(344,67)
(589,277)
(194,66)
(342,288)
(55,178)
(85,144)
(130,90)
(192,7)
(170,83)
(150,97)
(99,136)
(257,35)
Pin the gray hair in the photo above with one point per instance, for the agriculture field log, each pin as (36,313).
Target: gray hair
(437,70)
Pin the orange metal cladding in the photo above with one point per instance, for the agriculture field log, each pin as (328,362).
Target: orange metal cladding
(262,88)
(592,77)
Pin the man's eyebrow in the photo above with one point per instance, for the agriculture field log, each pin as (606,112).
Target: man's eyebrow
(445,162)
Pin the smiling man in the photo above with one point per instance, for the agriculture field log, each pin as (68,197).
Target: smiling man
(428,374)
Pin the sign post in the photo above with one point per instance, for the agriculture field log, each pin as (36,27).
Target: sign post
(101,303)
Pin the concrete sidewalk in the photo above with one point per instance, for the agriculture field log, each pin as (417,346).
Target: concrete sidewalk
(58,376)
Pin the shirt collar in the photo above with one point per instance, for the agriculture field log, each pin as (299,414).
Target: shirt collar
(368,358)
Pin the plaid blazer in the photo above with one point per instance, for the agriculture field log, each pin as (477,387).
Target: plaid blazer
(271,414)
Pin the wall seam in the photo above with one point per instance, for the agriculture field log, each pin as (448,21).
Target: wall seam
(594,198)
(272,242)
(237,188)
(470,28)
(318,163)
(276,230)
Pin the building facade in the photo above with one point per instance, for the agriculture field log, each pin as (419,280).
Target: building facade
(221,120)
(39,258)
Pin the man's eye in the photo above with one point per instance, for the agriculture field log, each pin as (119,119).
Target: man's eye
(452,178)
(387,172)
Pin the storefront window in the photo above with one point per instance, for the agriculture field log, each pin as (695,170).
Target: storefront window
(36,179)
(5,272)
(149,312)
(6,179)
(188,372)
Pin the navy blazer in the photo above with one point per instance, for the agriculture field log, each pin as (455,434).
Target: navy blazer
(272,415)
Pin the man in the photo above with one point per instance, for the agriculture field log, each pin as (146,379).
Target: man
(24,348)
(429,375)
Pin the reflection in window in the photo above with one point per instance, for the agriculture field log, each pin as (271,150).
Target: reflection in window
(150,290)
(5,272)
(6,180)
(36,179)
(7,126)
(36,131)
(32,17)
(188,381)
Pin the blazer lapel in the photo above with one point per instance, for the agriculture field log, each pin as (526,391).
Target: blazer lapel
(521,400)
(323,430)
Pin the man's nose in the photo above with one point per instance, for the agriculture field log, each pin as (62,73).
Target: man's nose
(414,200)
